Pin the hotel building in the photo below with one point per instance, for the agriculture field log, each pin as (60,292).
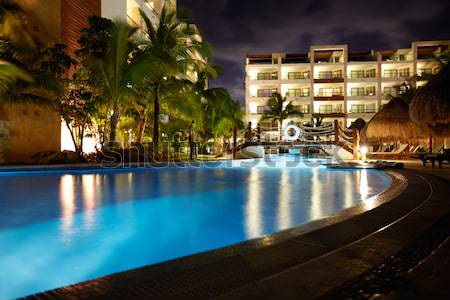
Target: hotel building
(333,83)
(26,129)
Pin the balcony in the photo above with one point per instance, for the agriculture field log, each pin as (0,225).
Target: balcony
(363,75)
(331,94)
(330,77)
(266,93)
(396,74)
(298,93)
(267,76)
(330,80)
(299,76)
(363,109)
(328,111)
(320,97)
(363,92)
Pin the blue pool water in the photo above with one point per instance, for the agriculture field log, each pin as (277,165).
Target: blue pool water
(62,228)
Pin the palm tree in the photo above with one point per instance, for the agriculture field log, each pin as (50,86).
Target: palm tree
(27,69)
(180,45)
(280,109)
(122,66)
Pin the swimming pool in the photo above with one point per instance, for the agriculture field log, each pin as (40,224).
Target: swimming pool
(60,228)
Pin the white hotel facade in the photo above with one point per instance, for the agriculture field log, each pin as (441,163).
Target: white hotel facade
(331,82)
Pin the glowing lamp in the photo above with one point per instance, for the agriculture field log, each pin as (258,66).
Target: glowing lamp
(364,152)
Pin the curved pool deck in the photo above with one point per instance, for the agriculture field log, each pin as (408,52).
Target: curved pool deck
(307,261)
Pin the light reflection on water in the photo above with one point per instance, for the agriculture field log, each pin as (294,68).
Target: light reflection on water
(253,207)
(82,226)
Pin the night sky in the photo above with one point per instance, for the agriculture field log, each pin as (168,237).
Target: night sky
(238,27)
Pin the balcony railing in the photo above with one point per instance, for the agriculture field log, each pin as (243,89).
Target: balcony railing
(396,74)
(267,76)
(362,111)
(298,75)
(298,95)
(328,109)
(359,74)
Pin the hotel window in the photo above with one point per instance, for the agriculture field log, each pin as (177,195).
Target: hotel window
(298,75)
(371,108)
(357,91)
(326,75)
(390,91)
(427,71)
(325,109)
(330,74)
(371,73)
(268,125)
(403,72)
(262,109)
(329,92)
(337,59)
(329,109)
(268,76)
(399,57)
(267,92)
(305,109)
(337,74)
(357,74)
(390,73)
(302,92)
(370,91)
(357,108)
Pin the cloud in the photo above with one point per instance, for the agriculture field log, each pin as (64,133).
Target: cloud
(238,27)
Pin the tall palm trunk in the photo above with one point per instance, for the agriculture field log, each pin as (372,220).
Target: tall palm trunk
(156,110)
(280,127)
(113,125)
(142,120)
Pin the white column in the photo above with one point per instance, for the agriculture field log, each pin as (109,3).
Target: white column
(114,9)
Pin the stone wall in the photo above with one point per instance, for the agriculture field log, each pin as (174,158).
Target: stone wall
(33,129)
(4,141)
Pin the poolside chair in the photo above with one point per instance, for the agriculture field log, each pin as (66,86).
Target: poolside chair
(414,149)
(396,154)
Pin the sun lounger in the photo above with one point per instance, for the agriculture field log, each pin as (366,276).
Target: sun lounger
(440,158)
(394,154)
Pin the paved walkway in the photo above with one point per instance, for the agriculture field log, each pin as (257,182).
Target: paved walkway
(431,278)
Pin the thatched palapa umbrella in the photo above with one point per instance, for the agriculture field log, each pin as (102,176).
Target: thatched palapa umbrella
(431,105)
(392,123)
(358,124)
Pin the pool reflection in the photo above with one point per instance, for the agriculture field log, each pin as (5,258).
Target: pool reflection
(284,199)
(253,208)
(67,199)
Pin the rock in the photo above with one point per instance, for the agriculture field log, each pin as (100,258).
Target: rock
(52,157)
(73,157)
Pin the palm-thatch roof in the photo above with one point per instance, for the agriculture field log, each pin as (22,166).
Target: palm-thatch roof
(393,123)
(431,105)
(358,124)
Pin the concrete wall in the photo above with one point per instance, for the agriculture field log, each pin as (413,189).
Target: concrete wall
(33,129)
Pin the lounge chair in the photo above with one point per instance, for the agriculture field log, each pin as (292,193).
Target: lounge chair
(393,154)
(440,158)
